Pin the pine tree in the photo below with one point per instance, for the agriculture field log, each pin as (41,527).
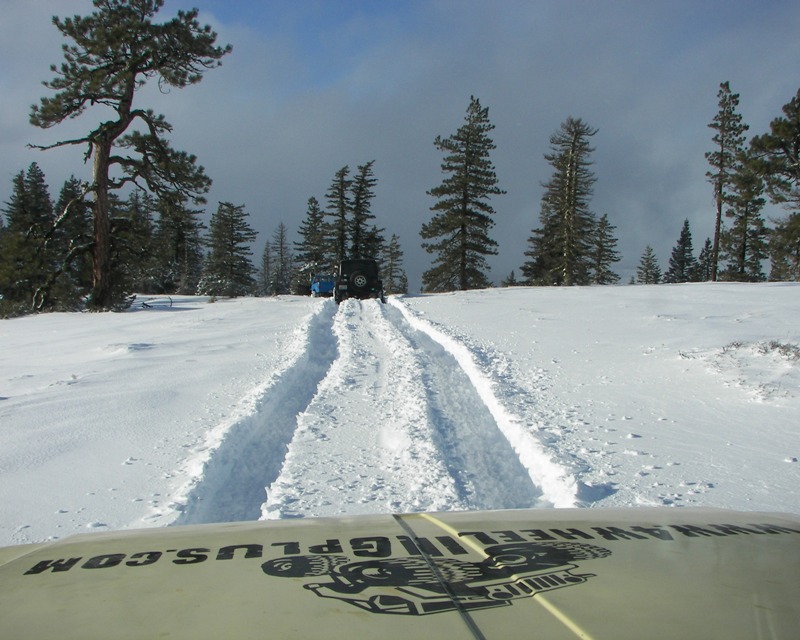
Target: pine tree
(759,251)
(28,256)
(338,209)
(16,209)
(605,253)
(15,284)
(281,263)
(312,251)
(682,263)
(784,248)
(392,272)
(374,244)
(362,195)
(114,51)
(178,247)
(704,263)
(729,143)
(38,205)
(30,210)
(74,232)
(561,249)
(43,253)
(134,259)
(229,271)
(648,271)
(458,233)
(744,244)
(510,281)
(264,277)
(776,156)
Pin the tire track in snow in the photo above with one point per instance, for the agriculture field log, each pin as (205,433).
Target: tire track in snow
(559,488)
(399,426)
(377,410)
(364,443)
(488,473)
(251,452)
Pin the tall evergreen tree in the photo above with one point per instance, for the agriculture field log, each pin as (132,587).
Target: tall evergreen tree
(776,156)
(744,244)
(38,205)
(127,252)
(784,249)
(16,282)
(374,244)
(682,263)
(68,245)
(70,241)
(362,195)
(229,270)
(312,251)
(28,254)
(605,253)
(281,263)
(729,143)
(113,53)
(17,208)
(264,277)
(74,233)
(704,262)
(30,209)
(560,250)
(392,272)
(133,255)
(338,210)
(178,247)
(648,271)
(458,233)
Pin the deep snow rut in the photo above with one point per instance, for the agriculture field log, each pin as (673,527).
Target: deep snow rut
(397,425)
(252,452)
(376,412)
(364,443)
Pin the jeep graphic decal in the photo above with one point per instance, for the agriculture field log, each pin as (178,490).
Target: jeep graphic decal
(416,586)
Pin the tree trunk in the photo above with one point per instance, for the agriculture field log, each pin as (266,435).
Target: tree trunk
(717,229)
(101,297)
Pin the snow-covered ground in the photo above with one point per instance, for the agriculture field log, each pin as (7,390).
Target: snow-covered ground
(685,395)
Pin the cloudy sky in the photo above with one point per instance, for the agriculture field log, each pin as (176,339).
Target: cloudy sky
(314,85)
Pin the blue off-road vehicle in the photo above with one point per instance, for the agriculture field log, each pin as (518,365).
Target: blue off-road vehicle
(322,285)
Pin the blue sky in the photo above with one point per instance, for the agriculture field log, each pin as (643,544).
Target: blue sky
(312,86)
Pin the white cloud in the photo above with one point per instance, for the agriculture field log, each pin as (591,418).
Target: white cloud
(284,112)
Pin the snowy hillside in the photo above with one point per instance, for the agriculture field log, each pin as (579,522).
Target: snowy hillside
(680,395)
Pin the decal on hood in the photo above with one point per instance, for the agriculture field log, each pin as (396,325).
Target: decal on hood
(418,585)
